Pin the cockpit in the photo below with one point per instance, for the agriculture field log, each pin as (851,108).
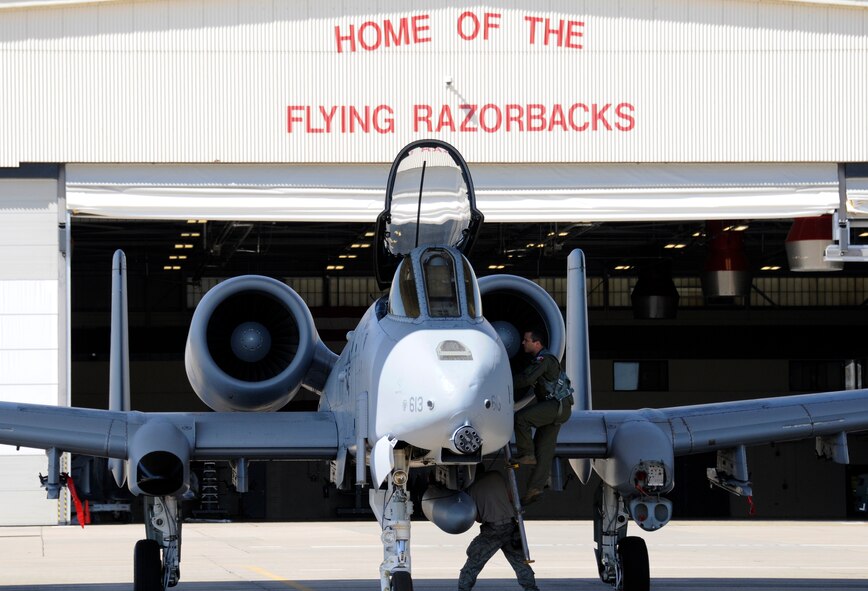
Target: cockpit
(435,282)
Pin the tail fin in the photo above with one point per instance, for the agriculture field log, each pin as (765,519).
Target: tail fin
(578,357)
(119,364)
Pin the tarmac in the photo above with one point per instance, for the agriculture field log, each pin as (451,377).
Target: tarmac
(345,556)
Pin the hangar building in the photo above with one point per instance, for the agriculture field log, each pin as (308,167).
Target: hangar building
(692,144)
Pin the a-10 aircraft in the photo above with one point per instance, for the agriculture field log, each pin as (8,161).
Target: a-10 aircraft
(424,381)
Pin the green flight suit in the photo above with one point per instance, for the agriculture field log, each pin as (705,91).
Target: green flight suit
(544,415)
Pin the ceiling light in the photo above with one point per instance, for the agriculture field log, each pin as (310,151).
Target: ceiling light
(863,235)
(698,234)
(623,267)
(190,234)
(551,234)
(369,234)
(562,234)
(196,221)
(675,245)
(740,228)
(770,268)
(181,246)
(171,268)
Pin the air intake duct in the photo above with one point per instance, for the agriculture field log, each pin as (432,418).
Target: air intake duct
(252,341)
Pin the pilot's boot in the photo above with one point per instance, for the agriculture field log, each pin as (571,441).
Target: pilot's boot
(532,495)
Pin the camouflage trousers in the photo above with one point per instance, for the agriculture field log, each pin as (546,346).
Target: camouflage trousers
(492,538)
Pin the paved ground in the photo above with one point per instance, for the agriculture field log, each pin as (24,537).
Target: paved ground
(695,556)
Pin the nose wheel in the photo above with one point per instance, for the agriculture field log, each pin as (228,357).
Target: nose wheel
(402,581)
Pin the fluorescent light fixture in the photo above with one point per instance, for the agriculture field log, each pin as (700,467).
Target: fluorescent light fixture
(675,245)
(770,268)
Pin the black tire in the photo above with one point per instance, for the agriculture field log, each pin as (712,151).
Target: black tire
(401,581)
(633,553)
(147,566)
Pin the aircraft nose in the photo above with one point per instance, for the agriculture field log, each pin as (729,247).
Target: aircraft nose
(448,391)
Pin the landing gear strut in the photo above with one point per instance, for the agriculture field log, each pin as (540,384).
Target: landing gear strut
(163,530)
(622,560)
(393,508)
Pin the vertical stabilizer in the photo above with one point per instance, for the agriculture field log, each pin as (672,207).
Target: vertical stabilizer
(119,364)
(578,356)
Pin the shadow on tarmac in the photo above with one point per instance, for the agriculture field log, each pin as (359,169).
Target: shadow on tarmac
(481,585)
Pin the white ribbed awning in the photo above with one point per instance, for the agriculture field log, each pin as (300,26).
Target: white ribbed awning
(505,193)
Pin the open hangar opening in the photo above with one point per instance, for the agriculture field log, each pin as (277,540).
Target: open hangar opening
(786,332)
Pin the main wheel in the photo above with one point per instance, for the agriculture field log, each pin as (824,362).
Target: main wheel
(147,566)
(633,554)
(401,581)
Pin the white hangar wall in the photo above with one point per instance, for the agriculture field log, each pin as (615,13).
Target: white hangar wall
(32,334)
(326,81)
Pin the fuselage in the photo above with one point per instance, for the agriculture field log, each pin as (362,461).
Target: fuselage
(433,372)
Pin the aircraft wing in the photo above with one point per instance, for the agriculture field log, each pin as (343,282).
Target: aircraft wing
(709,427)
(211,435)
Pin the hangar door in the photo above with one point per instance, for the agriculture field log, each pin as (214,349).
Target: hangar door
(505,193)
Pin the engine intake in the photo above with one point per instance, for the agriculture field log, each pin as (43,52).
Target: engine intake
(251,343)
(521,303)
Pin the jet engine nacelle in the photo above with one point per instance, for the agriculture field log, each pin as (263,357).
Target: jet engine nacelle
(159,460)
(513,304)
(251,343)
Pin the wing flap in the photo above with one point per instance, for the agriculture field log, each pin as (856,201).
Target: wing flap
(709,427)
(213,435)
(584,435)
(275,435)
(92,432)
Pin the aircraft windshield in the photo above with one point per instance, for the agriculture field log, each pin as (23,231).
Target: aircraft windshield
(430,203)
(429,282)
(403,298)
(440,285)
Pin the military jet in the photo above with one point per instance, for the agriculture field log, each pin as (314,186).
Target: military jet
(424,381)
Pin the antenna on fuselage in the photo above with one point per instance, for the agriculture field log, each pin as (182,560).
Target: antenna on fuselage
(419,205)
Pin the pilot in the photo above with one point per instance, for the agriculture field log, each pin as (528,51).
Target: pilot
(543,414)
(496,514)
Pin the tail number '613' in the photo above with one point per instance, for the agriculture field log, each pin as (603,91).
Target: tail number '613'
(413,404)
